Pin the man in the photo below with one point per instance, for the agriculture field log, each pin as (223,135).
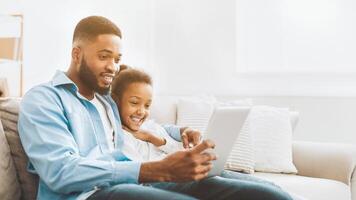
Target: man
(71,132)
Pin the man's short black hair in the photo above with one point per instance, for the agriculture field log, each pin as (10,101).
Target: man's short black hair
(90,27)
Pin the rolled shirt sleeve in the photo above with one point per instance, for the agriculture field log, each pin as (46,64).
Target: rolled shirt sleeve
(173,131)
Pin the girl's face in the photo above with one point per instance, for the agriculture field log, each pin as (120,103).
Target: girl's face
(134,105)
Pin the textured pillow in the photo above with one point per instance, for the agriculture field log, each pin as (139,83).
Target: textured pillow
(272,136)
(241,157)
(164,109)
(9,186)
(241,102)
(196,112)
(8,112)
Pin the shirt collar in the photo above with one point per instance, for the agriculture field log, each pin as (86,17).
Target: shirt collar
(60,78)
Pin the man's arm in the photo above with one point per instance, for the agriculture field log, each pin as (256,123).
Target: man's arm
(54,153)
(187,165)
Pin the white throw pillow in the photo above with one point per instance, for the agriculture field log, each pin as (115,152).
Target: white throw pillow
(241,157)
(272,137)
(241,102)
(195,112)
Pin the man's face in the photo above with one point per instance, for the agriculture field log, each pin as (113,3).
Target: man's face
(100,59)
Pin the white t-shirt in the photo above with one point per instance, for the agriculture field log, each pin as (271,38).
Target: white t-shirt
(138,150)
(108,128)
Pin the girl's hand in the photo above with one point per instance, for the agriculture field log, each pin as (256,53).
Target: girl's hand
(190,137)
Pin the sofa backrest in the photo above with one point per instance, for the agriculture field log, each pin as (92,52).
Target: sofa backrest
(164,110)
(9,185)
(9,108)
(4,89)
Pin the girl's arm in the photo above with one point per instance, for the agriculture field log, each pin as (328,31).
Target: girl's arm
(151,138)
(147,136)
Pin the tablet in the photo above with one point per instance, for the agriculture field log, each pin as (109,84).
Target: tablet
(223,129)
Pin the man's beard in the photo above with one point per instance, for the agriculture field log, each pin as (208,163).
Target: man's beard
(89,79)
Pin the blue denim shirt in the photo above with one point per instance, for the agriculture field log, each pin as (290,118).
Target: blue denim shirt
(63,136)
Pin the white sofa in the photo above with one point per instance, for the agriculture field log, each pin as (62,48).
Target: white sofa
(325,171)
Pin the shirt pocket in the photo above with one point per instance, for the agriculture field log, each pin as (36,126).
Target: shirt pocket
(81,127)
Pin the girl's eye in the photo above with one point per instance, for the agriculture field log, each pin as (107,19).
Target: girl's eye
(147,105)
(135,103)
(103,57)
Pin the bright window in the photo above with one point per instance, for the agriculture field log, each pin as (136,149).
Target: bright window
(296,36)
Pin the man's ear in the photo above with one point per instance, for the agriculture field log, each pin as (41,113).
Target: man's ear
(76,55)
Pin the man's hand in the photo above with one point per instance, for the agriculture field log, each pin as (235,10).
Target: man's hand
(181,166)
(190,137)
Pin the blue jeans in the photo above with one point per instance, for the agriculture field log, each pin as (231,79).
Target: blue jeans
(230,185)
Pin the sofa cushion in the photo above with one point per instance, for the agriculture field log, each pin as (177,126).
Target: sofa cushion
(308,187)
(8,112)
(196,112)
(164,109)
(272,135)
(9,185)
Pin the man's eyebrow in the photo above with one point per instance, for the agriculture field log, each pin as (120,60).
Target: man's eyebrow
(105,50)
(108,51)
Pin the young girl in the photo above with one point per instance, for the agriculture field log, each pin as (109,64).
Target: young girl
(144,139)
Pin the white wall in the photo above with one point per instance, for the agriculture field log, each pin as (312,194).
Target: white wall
(196,50)
(198,41)
(49,27)
(194,45)
(191,47)
(10,28)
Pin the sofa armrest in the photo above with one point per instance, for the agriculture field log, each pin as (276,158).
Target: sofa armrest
(353,185)
(325,160)
(294,119)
